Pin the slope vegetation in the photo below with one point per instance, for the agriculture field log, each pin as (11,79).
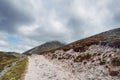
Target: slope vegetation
(110,38)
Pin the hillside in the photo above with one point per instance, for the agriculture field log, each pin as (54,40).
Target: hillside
(110,38)
(92,58)
(10,64)
(6,59)
(45,47)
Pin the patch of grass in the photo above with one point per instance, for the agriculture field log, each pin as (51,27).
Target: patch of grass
(116,61)
(15,72)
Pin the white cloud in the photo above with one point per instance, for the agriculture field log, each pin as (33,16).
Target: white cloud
(29,30)
(94,14)
(3,43)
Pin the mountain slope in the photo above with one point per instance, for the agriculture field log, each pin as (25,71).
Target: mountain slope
(45,47)
(93,58)
(110,38)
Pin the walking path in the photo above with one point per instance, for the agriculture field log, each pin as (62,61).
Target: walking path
(40,68)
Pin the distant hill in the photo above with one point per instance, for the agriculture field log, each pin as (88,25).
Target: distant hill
(12,53)
(45,47)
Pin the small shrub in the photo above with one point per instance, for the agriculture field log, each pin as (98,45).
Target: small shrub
(78,59)
(116,61)
(82,57)
(102,62)
(113,73)
(94,54)
(87,56)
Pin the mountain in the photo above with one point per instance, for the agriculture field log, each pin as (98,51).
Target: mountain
(93,58)
(44,47)
(110,38)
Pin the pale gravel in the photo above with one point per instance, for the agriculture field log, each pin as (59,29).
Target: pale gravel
(40,68)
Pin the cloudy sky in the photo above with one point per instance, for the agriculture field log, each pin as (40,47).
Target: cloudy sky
(28,23)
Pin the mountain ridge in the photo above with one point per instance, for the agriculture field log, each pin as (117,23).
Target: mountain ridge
(45,47)
(92,58)
(110,38)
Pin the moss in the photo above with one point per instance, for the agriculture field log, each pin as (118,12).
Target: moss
(116,61)
(15,72)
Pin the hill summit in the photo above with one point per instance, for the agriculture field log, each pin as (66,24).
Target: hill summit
(44,47)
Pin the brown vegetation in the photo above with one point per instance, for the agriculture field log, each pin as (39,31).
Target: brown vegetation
(116,61)
(113,73)
(6,59)
(110,38)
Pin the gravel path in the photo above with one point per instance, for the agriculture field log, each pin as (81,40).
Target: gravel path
(39,68)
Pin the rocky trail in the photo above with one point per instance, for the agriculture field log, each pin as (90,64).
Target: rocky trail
(40,68)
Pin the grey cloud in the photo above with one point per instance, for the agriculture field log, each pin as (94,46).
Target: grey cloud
(11,17)
(78,27)
(97,16)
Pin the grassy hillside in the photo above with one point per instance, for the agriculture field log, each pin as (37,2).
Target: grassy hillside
(6,59)
(16,71)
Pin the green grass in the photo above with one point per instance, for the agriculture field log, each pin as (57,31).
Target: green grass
(7,62)
(16,72)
